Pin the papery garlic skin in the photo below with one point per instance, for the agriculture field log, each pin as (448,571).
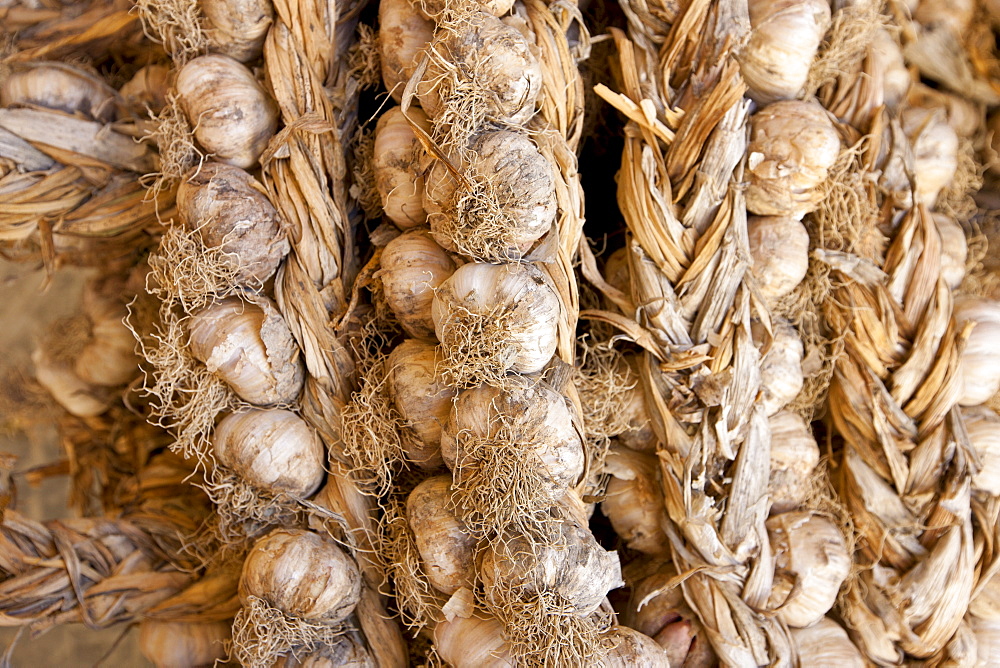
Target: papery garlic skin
(987,632)
(273,449)
(56,85)
(232,115)
(784,38)
(633,649)
(633,501)
(237,28)
(396,164)
(781,377)
(779,246)
(447,547)
(403,33)
(146,92)
(412,267)
(983,426)
(954,249)
(794,457)
(935,150)
(422,398)
(825,643)
(793,145)
(347,652)
(303,575)
(231,211)
(980,360)
(184,644)
(472,643)
(249,346)
(811,562)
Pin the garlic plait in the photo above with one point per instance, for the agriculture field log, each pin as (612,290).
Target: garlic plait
(411,268)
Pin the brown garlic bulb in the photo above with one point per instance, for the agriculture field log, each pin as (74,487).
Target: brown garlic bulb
(570,564)
(422,398)
(232,115)
(794,457)
(249,346)
(784,37)
(983,427)
(472,643)
(56,85)
(825,643)
(231,211)
(184,644)
(346,652)
(793,145)
(781,376)
(633,649)
(396,164)
(779,246)
(413,266)
(274,450)
(633,500)
(935,150)
(237,28)
(146,92)
(446,546)
(811,562)
(403,33)
(954,249)
(980,361)
(303,575)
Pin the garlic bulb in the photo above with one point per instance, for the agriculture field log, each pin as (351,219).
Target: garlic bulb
(109,358)
(403,33)
(633,500)
(271,449)
(76,396)
(184,644)
(963,115)
(616,271)
(492,319)
(413,266)
(779,246)
(237,28)
(56,85)
(935,150)
(794,457)
(446,546)
(422,398)
(825,643)
(396,165)
(492,55)
(434,9)
(781,377)
(887,57)
(793,145)
(952,15)
(633,650)
(784,37)
(987,633)
(232,115)
(980,361)
(346,652)
(231,211)
(472,643)
(146,92)
(303,575)
(249,346)
(954,249)
(811,562)
(640,435)
(571,564)
(523,194)
(983,427)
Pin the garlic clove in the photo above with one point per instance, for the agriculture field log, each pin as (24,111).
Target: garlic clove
(184,644)
(779,247)
(475,642)
(781,377)
(422,398)
(403,33)
(56,85)
(396,164)
(980,361)
(446,545)
(794,457)
(633,501)
(412,267)
(825,643)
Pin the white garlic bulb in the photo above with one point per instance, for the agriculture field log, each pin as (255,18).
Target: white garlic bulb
(784,37)
(237,28)
(633,500)
(274,450)
(781,377)
(794,457)
(303,575)
(109,358)
(446,546)
(523,195)
(492,319)
(793,145)
(476,642)
(983,427)
(413,266)
(56,85)
(980,361)
(954,249)
(779,246)
(403,33)
(232,115)
(935,150)
(249,346)
(231,211)
(825,643)
(888,58)
(146,92)
(811,562)
(633,649)
(422,398)
(396,164)
(346,652)
(176,644)
(69,390)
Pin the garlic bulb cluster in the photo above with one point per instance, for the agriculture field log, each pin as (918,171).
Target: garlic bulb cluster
(146,92)
(784,37)
(231,211)
(781,377)
(794,457)
(274,450)
(232,115)
(403,33)
(492,319)
(811,562)
(633,501)
(473,642)
(935,150)
(980,361)
(303,575)
(779,246)
(793,145)
(422,398)
(954,249)
(825,643)
(632,649)
(175,644)
(56,85)
(983,426)
(396,164)
(250,347)
(237,28)
(413,266)
(447,547)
